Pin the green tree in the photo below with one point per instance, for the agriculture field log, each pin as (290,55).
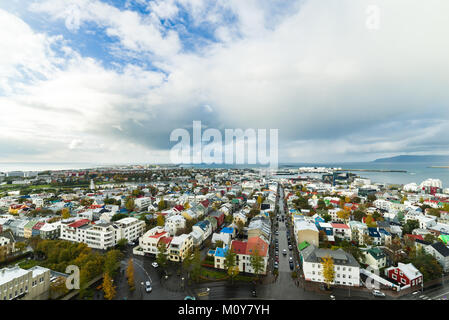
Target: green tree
(409,226)
(161,257)
(112,262)
(257,262)
(230,263)
(196,264)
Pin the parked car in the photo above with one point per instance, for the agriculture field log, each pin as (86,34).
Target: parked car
(254,293)
(290,247)
(276,265)
(290,259)
(291,265)
(378,293)
(148,287)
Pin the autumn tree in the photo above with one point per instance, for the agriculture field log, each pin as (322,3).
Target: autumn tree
(328,270)
(161,205)
(129,204)
(65,213)
(108,287)
(130,274)
(160,220)
(343,215)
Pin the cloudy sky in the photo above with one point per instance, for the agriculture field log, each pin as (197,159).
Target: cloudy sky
(108,81)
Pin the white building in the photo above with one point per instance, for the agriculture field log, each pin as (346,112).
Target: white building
(174,223)
(347,269)
(17,283)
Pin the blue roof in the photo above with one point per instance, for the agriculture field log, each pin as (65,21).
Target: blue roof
(385,232)
(221,252)
(373,232)
(227,230)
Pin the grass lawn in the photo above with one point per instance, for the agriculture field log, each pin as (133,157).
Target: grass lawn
(27,264)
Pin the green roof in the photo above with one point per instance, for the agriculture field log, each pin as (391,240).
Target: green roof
(303,245)
(444,238)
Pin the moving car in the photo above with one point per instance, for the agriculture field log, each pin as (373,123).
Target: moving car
(155,265)
(284,252)
(378,293)
(148,287)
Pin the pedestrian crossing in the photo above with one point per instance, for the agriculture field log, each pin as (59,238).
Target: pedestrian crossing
(424,297)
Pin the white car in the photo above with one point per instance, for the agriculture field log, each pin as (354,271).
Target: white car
(155,265)
(378,293)
(148,287)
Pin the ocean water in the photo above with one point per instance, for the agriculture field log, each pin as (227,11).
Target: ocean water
(415,172)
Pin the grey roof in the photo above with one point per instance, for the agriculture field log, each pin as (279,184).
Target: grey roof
(8,234)
(340,257)
(441,248)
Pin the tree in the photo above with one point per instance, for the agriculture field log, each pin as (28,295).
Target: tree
(409,226)
(108,287)
(20,246)
(321,204)
(370,222)
(65,213)
(196,264)
(161,257)
(129,204)
(230,263)
(327,217)
(343,214)
(161,205)
(328,270)
(256,262)
(259,201)
(130,274)
(240,226)
(367,240)
(434,212)
(430,238)
(112,262)
(359,215)
(160,220)
(371,198)
(118,216)
(121,244)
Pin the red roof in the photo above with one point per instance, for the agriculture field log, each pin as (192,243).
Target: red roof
(38,225)
(79,223)
(158,234)
(179,207)
(238,247)
(166,240)
(340,225)
(415,236)
(205,203)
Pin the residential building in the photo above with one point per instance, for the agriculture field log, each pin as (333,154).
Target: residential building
(346,267)
(17,283)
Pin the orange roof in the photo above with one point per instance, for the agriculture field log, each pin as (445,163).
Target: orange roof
(256,243)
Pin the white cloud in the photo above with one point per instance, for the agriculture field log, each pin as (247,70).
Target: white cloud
(332,87)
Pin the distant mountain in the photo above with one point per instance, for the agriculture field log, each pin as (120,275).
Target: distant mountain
(414,159)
